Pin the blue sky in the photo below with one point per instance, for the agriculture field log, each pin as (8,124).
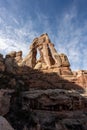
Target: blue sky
(65,21)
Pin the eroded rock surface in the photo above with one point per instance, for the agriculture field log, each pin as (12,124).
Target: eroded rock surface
(4,101)
(42,93)
(4,125)
(48,54)
(2,65)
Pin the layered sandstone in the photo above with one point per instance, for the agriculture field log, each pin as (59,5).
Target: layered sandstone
(49,61)
(48,55)
(42,93)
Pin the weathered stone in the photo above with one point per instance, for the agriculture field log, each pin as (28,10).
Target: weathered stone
(81,79)
(38,66)
(10,63)
(30,59)
(44,38)
(1,57)
(18,57)
(66,71)
(4,125)
(55,100)
(11,54)
(19,53)
(48,54)
(47,95)
(12,82)
(65,61)
(12,60)
(2,65)
(55,55)
(4,102)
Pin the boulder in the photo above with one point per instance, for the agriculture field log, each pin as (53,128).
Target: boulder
(4,124)
(4,102)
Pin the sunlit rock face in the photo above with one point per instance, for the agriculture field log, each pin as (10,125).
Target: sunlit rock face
(41,92)
(48,61)
(49,57)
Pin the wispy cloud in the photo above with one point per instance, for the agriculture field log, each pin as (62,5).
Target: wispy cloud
(16,35)
(68,36)
(71,39)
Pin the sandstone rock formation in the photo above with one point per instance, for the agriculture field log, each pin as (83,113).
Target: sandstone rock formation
(4,125)
(42,93)
(4,102)
(48,54)
(2,65)
(18,57)
(10,62)
(55,100)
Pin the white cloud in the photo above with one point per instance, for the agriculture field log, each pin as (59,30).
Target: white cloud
(15,35)
(71,39)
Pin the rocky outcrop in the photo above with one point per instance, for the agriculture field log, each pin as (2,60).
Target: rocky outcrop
(10,63)
(4,124)
(55,100)
(62,121)
(42,93)
(49,58)
(2,65)
(18,57)
(48,54)
(4,102)
(82,78)
(65,61)
(49,62)
(30,59)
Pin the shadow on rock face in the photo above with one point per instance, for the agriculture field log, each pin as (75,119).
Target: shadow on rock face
(43,101)
(42,94)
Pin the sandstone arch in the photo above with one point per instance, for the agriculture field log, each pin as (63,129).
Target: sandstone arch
(48,54)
